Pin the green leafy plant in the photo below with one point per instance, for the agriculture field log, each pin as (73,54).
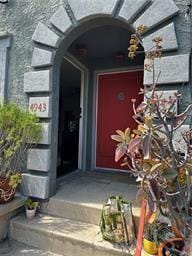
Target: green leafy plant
(14,179)
(31,204)
(19,130)
(157,232)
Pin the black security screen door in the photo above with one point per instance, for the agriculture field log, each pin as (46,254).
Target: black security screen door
(69,114)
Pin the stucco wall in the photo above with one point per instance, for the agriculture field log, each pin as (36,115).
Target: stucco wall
(20,17)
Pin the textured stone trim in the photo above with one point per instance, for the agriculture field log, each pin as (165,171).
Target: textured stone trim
(165,95)
(158,12)
(61,20)
(169,38)
(174,69)
(39,81)
(38,160)
(35,186)
(42,58)
(5,44)
(179,142)
(41,106)
(45,36)
(131,8)
(46,134)
(4,34)
(83,8)
(117,8)
(8,36)
(70,13)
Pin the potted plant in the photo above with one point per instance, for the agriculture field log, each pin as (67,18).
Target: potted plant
(172,247)
(150,153)
(31,208)
(155,234)
(8,185)
(19,130)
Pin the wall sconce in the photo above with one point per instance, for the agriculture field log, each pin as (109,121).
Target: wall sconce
(4,1)
(81,50)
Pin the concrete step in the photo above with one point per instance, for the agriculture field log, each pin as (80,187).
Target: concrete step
(62,236)
(81,196)
(14,248)
(84,212)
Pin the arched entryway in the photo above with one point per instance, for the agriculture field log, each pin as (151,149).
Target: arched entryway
(67,25)
(112,81)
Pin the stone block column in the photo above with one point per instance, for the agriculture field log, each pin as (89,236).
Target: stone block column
(5,44)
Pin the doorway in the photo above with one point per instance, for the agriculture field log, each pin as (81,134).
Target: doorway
(104,50)
(115,112)
(69,118)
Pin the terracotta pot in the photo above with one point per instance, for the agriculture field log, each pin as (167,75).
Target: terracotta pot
(150,247)
(30,213)
(179,241)
(6,191)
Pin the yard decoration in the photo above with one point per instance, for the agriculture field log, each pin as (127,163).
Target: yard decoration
(116,222)
(31,208)
(19,130)
(150,153)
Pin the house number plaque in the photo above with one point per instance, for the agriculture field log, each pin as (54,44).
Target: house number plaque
(40,106)
(34,107)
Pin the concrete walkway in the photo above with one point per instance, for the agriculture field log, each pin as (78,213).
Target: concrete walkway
(13,248)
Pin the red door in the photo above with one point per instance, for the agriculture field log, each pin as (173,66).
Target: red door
(115,112)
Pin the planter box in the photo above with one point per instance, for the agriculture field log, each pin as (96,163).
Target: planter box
(8,211)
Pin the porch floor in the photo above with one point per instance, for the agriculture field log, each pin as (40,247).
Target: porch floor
(81,195)
(93,188)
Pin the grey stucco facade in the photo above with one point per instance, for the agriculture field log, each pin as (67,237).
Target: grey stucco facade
(40,32)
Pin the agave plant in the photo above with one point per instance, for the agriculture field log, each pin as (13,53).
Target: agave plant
(158,232)
(150,152)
